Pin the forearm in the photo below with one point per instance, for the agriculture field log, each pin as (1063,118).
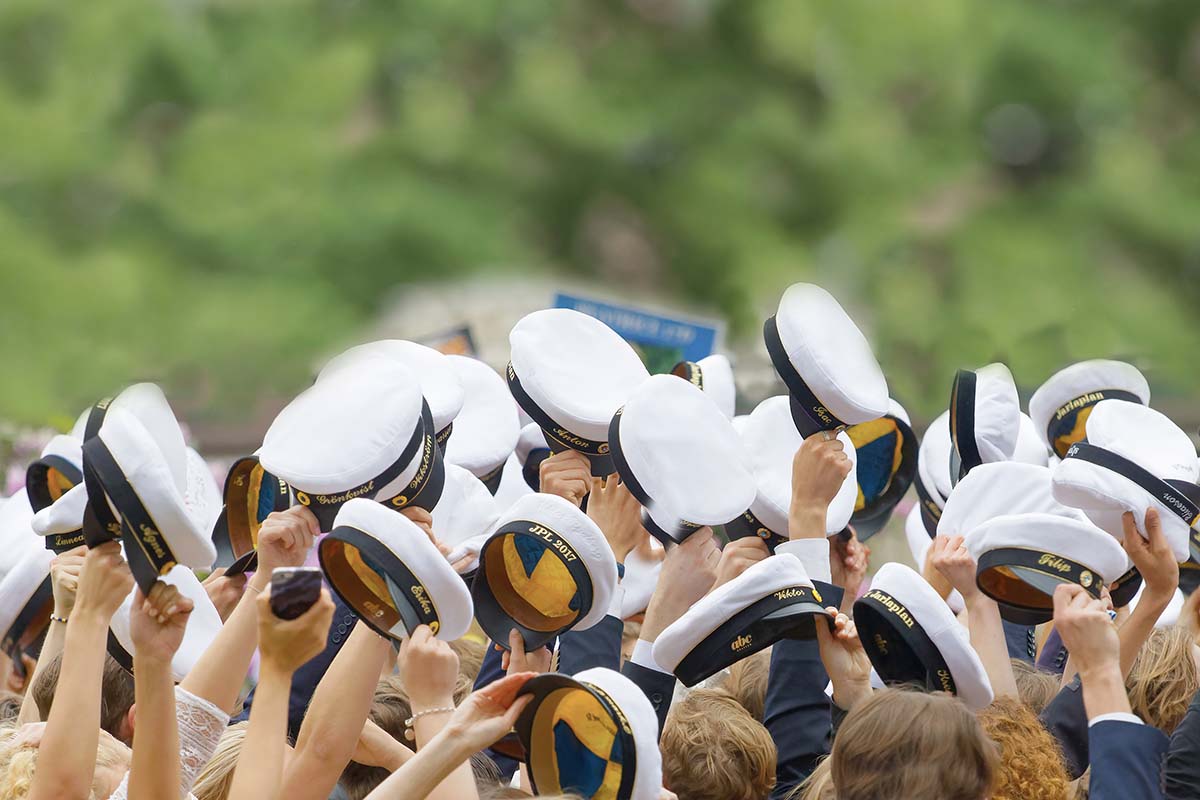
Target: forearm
(73,727)
(219,674)
(1137,629)
(806,522)
(460,783)
(1104,691)
(336,716)
(425,771)
(56,637)
(260,765)
(987,638)
(154,772)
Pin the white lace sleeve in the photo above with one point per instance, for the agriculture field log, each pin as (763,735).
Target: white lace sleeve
(201,725)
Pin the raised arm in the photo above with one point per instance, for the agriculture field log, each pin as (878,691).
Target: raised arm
(285,646)
(64,578)
(1155,561)
(283,541)
(949,557)
(67,756)
(336,716)
(156,626)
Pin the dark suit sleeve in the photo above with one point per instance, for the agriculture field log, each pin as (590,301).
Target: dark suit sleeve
(796,712)
(659,687)
(1066,720)
(1127,761)
(1182,775)
(598,646)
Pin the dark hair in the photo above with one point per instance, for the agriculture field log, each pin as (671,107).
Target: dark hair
(116,694)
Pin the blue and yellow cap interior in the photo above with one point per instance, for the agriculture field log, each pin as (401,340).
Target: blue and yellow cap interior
(544,595)
(879,445)
(575,746)
(1075,424)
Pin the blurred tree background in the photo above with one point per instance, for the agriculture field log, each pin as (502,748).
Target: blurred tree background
(209,192)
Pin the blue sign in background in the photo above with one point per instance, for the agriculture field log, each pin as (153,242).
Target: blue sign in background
(691,338)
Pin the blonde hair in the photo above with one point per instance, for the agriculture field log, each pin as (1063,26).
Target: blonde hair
(747,682)
(907,744)
(216,779)
(817,786)
(18,764)
(713,748)
(1031,764)
(1163,679)
(1035,687)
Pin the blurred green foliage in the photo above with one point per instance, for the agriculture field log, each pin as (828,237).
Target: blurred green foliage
(210,192)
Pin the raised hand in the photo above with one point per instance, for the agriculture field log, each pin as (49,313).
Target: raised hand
(288,644)
(285,538)
(430,670)
(224,591)
(65,570)
(618,514)
(104,583)
(567,474)
(490,713)
(738,556)
(688,572)
(844,658)
(819,468)
(1152,556)
(1086,629)
(157,623)
(517,660)
(849,560)
(949,556)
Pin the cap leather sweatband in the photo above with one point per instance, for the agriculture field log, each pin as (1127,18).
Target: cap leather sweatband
(425,488)
(683,528)
(557,436)
(897,645)
(251,494)
(325,506)
(748,524)
(809,413)
(1123,589)
(26,631)
(531,470)
(147,550)
(1023,580)
(99,523)
(1068,420)
(363,571)
(501,607)
(964,455)
(536,729)
(931,512)
(754,628)
(46,480)
(1178,496)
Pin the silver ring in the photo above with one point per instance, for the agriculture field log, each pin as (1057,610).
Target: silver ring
(825,435)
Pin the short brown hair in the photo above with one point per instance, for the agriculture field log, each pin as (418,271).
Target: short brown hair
(747,682)
(1031,764)
(901,744)
(116,693)
(1035,687)
(1163,679)
(713,749)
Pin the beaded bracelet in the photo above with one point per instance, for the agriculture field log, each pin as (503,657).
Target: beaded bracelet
(408,723)
(56,618)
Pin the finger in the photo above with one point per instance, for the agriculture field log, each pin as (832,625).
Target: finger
(505,661)
(516,644)
(597,485)
(1154,529)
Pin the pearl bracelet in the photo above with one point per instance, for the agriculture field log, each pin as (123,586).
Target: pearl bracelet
(408,723)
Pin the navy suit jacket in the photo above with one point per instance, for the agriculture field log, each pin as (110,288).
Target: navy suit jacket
(1066,720)
(1127,761)
(1182,779)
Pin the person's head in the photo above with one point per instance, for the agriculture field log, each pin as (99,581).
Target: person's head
(215,781)
(900,744)
(1035,687)
(713,748)
(747,682)
(116,696)
(470,654)
(10,707)
(18,765)
(1164,678)
(1031,764)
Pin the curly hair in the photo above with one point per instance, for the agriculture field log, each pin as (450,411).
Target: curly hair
(19,763)
(1164,679)
(1031,764)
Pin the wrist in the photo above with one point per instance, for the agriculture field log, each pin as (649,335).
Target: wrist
(260,581)
(435,702)
(271,669)
(806,521)
(848,691)
(145,663)
(1157,596)
(86,616)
